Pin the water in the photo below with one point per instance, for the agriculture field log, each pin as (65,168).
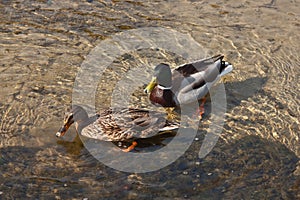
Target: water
(43,45)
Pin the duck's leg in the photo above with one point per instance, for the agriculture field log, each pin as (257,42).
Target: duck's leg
(131,147)
(201,109)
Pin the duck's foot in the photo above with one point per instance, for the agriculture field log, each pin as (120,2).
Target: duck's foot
(131,147)
(201,109)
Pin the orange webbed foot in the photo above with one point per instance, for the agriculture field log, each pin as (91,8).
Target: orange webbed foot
(201,109)
(131,147)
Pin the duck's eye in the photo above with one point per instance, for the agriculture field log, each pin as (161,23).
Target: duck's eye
(67,117)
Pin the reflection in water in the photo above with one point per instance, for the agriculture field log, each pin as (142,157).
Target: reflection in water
(43,46)
(72,147)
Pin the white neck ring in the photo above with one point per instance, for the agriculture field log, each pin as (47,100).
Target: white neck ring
(164,88)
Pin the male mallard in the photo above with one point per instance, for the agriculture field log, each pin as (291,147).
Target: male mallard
(187,83)
(125,124)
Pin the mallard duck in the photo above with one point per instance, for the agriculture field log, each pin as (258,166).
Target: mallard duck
(125,124)
(186,83)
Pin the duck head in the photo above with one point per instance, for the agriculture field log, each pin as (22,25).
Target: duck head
(162,77)
(77,115)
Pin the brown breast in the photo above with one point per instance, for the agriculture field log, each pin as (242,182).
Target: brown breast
(163,98)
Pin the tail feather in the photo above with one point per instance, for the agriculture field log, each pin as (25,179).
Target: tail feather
(226,67)
(170,126)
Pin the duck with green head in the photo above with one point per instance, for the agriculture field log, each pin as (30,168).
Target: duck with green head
(187,83)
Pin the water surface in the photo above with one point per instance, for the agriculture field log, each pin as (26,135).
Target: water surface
(43,45)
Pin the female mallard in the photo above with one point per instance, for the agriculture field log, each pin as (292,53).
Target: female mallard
(187,83)
(117,125)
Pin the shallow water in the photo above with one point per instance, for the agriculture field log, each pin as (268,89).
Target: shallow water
(43,44)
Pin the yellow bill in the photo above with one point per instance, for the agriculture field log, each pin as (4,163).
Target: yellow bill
(150,86)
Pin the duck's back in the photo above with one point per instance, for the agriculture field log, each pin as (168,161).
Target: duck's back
(125,124)
(197,66)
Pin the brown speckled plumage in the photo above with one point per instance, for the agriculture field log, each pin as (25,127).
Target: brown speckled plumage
(119,124)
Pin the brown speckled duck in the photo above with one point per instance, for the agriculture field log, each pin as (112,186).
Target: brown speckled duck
(125,124)
(186,83)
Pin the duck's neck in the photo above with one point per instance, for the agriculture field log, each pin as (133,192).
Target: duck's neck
(83,123)
(163,87)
